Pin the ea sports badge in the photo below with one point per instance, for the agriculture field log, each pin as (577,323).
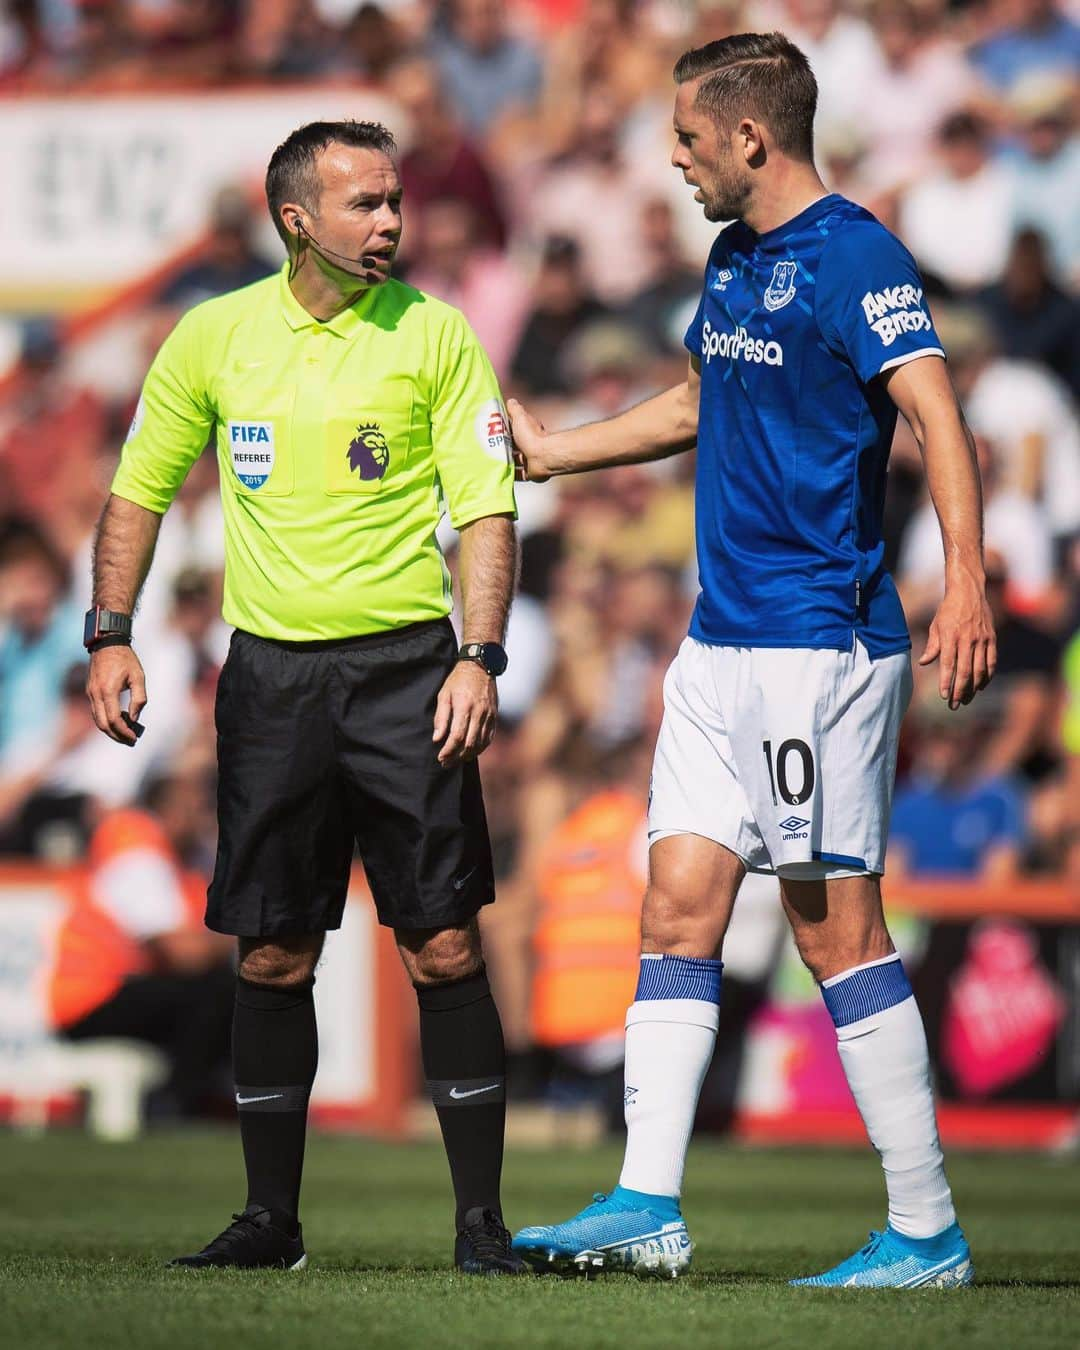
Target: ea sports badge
(493,430)
(251,445)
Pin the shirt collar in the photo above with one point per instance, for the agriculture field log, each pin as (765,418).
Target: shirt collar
(819,207)
(344,324)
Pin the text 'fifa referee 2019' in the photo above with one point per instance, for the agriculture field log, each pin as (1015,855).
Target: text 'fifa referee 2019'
(349,411)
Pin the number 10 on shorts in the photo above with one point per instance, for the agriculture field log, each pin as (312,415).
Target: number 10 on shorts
(780,768)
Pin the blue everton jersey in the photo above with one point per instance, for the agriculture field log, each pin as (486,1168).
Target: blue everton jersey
(794,429)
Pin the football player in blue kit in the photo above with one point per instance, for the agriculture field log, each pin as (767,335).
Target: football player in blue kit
(782,708)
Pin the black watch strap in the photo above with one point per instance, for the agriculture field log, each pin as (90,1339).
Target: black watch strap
(101,626)
(489,655)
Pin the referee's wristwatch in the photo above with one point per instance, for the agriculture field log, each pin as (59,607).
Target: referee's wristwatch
(489,655)
(105,628)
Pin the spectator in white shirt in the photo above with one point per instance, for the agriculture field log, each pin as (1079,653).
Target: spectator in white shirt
(957,221)
(1024,410)
(1014,526)
(594,197)
(922,79)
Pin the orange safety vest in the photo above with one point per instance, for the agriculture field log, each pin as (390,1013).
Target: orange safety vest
(587,937)
(93,954)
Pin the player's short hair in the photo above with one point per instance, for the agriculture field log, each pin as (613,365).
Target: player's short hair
(759,75)
(292,176)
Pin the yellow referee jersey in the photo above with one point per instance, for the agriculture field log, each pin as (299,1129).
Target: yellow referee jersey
(339,445)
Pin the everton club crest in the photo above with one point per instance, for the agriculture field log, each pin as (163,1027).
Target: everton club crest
(781,289)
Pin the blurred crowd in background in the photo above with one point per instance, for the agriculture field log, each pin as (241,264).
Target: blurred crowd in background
(538,199)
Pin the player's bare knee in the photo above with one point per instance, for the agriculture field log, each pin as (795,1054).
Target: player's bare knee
(677,924)
(827,954)
(838,924)
(817,956)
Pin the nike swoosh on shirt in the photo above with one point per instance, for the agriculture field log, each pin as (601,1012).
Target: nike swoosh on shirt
(243,1101)
(472,1091)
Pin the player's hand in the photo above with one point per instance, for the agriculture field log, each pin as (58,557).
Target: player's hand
(962,637)
(529,436)
(465,714)
(112,670)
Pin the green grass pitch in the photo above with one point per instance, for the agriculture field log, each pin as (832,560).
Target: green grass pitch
(85,1229)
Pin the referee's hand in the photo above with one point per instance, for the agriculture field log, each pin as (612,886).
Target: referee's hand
(112,670)
(465,714)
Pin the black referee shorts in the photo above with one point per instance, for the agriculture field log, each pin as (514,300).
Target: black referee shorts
(324,743)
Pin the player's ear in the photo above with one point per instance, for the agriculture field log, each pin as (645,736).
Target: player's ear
(750,140)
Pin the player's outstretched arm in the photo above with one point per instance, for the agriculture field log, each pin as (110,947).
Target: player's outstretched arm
(661,426)
(962,631)
(123,550)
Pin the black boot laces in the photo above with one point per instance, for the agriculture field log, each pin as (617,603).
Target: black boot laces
(243,1227)
(488,1236)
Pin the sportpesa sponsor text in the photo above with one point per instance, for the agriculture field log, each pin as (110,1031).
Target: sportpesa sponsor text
(739,346)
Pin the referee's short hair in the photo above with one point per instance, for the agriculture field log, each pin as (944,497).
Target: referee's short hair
(759,75)
(291,175)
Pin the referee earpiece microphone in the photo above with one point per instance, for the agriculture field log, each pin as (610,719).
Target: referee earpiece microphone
(368,261)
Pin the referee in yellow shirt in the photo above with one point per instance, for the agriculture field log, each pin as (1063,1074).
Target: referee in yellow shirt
(349,411)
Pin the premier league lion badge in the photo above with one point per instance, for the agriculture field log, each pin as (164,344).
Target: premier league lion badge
(369,455)
(781,289)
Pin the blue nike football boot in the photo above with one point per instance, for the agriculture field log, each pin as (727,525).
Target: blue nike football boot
(892,1261)
(626,1230)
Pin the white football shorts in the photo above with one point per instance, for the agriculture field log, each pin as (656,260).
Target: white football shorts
(786,756)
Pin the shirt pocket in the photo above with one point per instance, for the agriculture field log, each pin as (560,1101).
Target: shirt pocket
(255,445)
(368,436)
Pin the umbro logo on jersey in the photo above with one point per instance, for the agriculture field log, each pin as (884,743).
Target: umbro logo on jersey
(793,823)
(781,289)
(722,278)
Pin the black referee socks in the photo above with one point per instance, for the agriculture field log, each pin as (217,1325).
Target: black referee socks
(275,1054)
(461,1042)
